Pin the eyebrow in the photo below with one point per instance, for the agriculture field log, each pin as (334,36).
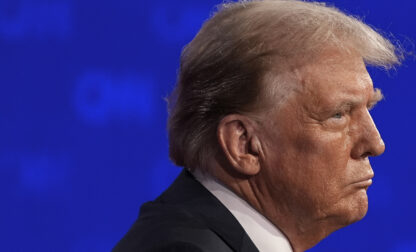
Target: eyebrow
(376,96)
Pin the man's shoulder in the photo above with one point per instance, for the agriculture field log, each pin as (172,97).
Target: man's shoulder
(165,218)
(178,220)
(168,227)
(186,217)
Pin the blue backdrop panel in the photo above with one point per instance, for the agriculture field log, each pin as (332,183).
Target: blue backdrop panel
(83,138)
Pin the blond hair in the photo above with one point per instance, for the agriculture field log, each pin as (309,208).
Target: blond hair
(222,67)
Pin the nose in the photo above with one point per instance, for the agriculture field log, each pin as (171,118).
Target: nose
(369,141)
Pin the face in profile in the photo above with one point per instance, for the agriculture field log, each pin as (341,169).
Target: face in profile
(317,142)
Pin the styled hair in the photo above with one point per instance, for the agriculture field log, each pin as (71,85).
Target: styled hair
(222,68)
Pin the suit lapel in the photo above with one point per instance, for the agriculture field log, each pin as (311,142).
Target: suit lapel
(187,191)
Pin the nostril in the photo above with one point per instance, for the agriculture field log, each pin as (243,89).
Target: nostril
(366,154)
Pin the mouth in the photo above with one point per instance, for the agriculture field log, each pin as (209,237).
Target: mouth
(364,184)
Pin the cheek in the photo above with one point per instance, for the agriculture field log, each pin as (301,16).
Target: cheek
(324,148)
(321,160)
(307,159)
(310,172)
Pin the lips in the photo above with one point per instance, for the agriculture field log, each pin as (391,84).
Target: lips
(364,183)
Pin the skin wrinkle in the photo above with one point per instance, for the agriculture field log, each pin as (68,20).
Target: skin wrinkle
(312,154)
(257,194)
(294,29)
(296,70)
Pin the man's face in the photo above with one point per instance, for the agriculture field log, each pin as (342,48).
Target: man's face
(316,143)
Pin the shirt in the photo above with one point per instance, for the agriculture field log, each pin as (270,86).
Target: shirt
(266,236)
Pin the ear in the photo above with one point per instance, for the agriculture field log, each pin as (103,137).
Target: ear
(240,145)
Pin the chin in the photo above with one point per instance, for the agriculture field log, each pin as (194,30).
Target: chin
(352,209)
(357,207)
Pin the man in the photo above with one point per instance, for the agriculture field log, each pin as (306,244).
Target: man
(270,119)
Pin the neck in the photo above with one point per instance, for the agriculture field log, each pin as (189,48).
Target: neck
(302,231)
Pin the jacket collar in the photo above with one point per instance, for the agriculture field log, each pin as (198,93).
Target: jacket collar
(187,191)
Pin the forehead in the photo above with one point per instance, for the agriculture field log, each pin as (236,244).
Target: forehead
(334,75)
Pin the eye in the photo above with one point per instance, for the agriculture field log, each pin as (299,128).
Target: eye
(337,120)
(338,115)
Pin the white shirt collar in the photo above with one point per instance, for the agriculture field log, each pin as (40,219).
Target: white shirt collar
(266,236)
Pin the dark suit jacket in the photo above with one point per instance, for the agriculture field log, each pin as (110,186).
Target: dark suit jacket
(186,217)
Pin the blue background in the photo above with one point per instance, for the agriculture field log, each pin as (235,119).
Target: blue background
(82,121)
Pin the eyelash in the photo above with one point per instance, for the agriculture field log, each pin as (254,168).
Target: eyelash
(338,115)
(341,114)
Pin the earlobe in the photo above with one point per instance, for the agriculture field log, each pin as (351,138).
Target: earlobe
(239,144)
